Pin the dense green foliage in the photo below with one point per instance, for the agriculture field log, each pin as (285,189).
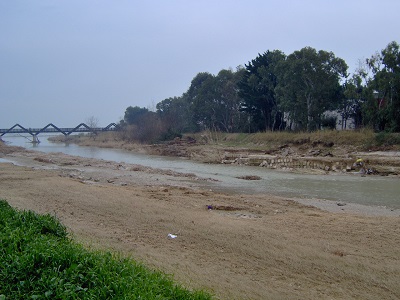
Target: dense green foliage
(275,91)
(382,106)
(38,261)
(309,85)
(211,102)
(140,124)
(135,115)
(257,91)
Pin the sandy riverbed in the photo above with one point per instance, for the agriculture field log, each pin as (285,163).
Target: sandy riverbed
(245,247)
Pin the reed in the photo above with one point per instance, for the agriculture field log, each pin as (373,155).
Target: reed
(362,139)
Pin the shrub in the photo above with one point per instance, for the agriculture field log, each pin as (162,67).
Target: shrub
(328,122)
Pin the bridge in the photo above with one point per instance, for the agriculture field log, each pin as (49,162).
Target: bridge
(51,128)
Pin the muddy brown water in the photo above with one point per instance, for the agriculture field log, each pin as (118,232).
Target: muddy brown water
(351,188)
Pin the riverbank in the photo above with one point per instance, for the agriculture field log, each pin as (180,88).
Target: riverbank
(236,246)
(312,153)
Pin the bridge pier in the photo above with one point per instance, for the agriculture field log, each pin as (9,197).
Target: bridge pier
(35,139)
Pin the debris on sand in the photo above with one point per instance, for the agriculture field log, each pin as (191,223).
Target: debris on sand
(249,177)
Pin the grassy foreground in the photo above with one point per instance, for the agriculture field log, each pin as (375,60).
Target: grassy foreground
(39,261)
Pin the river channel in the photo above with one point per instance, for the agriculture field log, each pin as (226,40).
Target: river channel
(370,190)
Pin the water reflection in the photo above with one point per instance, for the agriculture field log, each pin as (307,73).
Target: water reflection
(364,190)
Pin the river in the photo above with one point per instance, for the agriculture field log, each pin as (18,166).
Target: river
(370,190)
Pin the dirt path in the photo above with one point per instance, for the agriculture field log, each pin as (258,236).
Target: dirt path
(245,247)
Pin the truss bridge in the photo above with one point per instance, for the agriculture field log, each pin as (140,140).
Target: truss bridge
(51,128)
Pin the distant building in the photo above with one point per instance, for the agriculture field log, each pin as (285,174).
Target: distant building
(341,122)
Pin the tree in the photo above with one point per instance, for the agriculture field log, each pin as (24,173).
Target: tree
(309,84)
(257,90)
(133,115)
(227,112)
(211,102)
(175,114)
(92,122)
(382,109)
(202,98)
(141,125)
(352,101)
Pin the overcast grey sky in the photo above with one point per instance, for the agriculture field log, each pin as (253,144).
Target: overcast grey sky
(63,61)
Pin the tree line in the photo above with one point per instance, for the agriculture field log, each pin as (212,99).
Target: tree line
(275,91)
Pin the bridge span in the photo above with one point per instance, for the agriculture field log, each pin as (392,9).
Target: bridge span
(51,128)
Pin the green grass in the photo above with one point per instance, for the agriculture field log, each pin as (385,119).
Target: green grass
(39,261)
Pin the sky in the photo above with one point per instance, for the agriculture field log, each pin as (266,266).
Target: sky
(66,61)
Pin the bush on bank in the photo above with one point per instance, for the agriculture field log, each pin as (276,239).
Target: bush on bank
(39,261)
